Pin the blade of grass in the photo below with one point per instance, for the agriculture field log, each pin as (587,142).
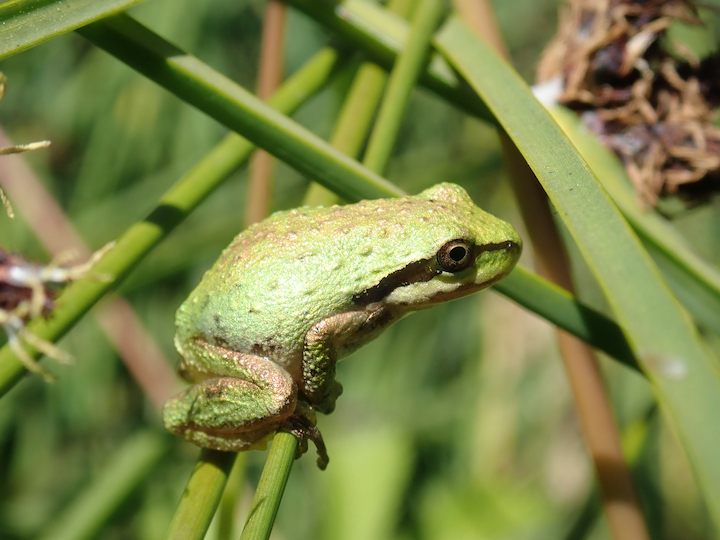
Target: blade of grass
(26,23)
(231,498)
(684,378)
(229,103)
(599,427)
(201,496)
(172,208)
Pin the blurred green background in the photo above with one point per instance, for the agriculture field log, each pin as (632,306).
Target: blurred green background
(456,423)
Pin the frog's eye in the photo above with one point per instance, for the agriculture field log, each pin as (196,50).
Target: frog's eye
(456,255)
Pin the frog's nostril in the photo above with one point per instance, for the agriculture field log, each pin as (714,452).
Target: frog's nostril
(513,247)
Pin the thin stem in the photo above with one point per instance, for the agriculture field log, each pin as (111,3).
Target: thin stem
(403,78)
(201,496)
(271,487)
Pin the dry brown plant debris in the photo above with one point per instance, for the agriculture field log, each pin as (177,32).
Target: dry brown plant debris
(651,102)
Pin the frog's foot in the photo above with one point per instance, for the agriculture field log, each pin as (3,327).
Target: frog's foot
(302,426)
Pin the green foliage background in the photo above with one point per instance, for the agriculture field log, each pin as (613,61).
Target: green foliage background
(456,423)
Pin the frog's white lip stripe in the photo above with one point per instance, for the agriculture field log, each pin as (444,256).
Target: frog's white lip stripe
(419,271)
(422,295)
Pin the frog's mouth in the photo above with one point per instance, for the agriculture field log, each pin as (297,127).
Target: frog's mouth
(411,285)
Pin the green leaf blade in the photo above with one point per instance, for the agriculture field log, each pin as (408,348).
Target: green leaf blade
(667,345)
(26,23)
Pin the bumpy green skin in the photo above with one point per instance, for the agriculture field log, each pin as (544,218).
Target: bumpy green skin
(300,290)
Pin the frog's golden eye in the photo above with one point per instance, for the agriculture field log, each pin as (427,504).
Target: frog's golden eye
(456,255)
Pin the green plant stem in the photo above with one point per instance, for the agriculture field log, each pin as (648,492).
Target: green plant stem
(172,208)
(201,496)
(403,77)
(271,487)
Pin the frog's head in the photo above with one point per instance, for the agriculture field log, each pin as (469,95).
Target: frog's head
(465,250)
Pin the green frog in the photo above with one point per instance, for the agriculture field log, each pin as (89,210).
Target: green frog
(262,333)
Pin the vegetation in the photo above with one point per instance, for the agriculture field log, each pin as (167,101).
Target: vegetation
(458,422)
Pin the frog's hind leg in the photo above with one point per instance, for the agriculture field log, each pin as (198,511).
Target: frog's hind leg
(234,413)
(226,414)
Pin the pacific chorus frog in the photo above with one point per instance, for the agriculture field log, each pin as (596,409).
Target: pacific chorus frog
(260,335)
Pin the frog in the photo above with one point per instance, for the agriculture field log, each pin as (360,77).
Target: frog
(260,336)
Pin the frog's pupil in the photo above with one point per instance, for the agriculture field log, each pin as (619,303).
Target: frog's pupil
(458,253)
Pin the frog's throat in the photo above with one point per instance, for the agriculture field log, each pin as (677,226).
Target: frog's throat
(425,270)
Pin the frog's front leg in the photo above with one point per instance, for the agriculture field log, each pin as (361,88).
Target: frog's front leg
(233,411)
(328,341)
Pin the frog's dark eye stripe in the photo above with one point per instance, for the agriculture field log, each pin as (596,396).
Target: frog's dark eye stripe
(418,271)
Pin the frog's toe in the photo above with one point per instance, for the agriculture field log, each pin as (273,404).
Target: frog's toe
(304,429)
